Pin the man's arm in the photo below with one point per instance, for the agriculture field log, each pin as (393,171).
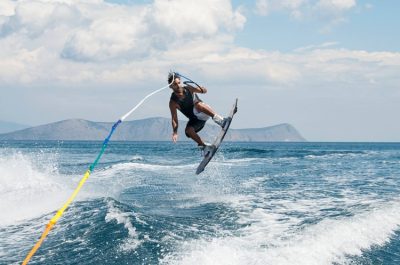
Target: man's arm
(174,120)
(200,90)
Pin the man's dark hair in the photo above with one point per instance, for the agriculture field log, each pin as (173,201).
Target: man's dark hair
(172,76)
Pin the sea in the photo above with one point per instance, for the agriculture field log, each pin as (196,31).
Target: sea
(261,203)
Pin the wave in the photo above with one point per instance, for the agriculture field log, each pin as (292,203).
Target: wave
(31,186)
(28,190)
(114,214)
(331,241)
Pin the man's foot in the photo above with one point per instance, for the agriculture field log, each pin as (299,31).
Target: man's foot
(206,149)
(220,121)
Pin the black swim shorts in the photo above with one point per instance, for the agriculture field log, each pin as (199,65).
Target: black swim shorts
(196,124)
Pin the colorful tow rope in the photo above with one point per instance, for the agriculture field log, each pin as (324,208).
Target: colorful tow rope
(60,212)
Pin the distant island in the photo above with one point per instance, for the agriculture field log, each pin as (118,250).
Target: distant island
(6,126)
(151,129)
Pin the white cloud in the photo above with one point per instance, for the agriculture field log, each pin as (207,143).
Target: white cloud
(336,4)
(315,47)
(262,7)
(108,38)
(33,18)
(7,8)
(82,39)
(265,7)
(100,43)
(353,67)
(369,6)
(329,10)
(206,17)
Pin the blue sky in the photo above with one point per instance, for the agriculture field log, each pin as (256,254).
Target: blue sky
(328,67)
(370,25)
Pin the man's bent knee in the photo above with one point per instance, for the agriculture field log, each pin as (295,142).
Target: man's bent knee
(199,106)
(189,131)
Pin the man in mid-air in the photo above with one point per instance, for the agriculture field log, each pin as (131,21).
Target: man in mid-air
(184,99)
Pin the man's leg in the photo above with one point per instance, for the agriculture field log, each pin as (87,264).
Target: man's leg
(190,132)
(203,107)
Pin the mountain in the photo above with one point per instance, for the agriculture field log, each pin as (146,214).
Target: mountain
(152,129)
(6,126)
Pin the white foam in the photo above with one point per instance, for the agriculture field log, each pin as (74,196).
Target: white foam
(332,241)
(114,179)
(137,158)
(132,241)
(147,167)
(327,242)
(27,191)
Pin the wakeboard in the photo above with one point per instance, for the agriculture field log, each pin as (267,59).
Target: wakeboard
(207,158)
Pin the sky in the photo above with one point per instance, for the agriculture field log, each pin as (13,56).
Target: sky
(330,68)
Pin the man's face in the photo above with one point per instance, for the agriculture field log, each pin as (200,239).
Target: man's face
(176,85)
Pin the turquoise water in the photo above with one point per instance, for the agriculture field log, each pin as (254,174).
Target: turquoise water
(256,203)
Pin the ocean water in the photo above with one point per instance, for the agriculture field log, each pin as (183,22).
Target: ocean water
(256,203)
